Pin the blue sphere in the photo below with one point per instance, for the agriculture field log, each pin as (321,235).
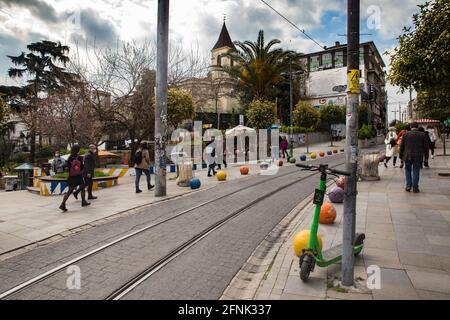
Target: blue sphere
(303,157)
(195,183)
(329,153)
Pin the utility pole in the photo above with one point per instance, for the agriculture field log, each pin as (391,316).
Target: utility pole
(291,139)
(162,50)
(351,154)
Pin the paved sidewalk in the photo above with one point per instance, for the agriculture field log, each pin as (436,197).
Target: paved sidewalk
(407,236)
(27,218)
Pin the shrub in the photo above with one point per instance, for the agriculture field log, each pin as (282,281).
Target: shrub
(20,157)
(261,114)
(365,132)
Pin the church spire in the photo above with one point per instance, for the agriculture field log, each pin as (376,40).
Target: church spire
(224,38)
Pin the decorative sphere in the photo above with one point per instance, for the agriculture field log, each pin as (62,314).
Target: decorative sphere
(221,175)
(264,166)
(303,157)
(327,213)
(335,151)
(292,160)
(340,182)
(329,152)
(342,150)
(280,163)
(195,183)
(322,154)
(336,195)
(244,170)
(301,240)
(313,155)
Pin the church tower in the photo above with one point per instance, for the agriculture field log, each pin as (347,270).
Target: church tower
(222,46)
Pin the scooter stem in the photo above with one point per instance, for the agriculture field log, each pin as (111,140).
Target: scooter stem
(313,241)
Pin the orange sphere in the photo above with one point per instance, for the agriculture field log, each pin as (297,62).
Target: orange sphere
(322,154)
(327,213)
(244,170)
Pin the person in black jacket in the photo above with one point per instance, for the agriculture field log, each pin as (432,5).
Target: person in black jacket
(75,167)
(88,171)
(210,150)
(413,149)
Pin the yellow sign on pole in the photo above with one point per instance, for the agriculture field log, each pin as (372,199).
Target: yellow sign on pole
(353,81)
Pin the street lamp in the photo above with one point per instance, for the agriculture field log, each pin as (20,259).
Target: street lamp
(291,101)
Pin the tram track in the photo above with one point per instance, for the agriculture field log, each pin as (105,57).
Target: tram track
(160,263)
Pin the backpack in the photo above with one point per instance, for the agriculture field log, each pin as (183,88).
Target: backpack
(393,142)
(138,157)
(75,168)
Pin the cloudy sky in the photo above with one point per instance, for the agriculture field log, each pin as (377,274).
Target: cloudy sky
(198,22)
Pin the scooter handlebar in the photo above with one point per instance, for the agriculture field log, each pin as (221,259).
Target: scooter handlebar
(309,167)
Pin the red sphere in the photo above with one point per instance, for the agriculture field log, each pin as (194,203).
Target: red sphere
(244,170)
(280,163)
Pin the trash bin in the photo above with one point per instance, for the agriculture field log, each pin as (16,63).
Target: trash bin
(368,166)
(12,183)
(25,173)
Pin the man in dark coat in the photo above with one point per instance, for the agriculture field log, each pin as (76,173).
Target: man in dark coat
(413,149)
(88,171)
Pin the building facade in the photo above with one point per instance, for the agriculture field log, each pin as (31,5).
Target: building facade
(214,95)
(327,80)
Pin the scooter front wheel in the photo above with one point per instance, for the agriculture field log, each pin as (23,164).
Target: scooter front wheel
(306,268)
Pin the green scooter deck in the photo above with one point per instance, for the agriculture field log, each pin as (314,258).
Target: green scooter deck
(334,255)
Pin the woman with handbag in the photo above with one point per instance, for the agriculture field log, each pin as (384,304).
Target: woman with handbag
(391,146)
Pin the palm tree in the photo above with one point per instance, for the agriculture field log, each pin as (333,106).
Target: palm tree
(259,68)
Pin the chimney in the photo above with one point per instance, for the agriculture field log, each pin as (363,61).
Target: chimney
(337,43)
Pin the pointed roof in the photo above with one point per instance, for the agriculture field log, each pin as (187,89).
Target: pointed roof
(224,39)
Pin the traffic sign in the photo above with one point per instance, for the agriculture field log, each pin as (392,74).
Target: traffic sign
(353,81)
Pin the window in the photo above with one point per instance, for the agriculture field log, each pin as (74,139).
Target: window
(219,60)
(314,63)
(339,59)
(327,60)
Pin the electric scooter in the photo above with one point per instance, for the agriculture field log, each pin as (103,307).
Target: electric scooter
(313,254)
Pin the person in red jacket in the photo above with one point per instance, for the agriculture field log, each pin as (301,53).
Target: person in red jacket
(284,146)
(399,140)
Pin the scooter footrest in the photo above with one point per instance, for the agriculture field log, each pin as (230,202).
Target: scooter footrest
(332,253)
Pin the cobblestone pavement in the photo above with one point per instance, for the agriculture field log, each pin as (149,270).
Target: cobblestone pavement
(110,268)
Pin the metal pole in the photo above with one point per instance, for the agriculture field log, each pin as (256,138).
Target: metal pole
(161,97)
(290,111)
(353,7)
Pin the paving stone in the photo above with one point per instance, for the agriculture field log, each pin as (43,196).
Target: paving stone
(315,287)
(430,281)
(395,284)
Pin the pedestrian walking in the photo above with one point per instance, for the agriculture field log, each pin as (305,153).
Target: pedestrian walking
(224,156)
(425,160)
(433,137)
(88,171)
(58,164)
(142,166)
(75,167)
(284,146)
(391,146)
(210,151)
(413,149)
(399,140)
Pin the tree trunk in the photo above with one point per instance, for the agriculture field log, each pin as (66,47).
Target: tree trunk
(331,136)
(32,146)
